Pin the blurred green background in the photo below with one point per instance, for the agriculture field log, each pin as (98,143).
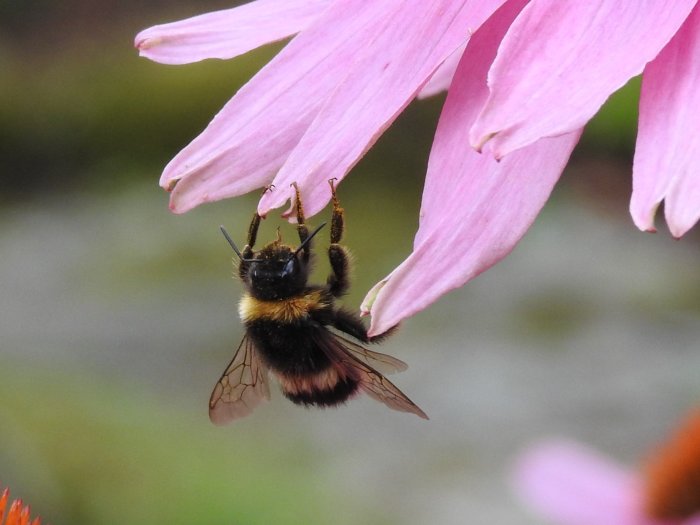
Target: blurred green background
(117,317)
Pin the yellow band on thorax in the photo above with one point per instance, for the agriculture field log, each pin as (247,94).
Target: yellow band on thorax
(284,310)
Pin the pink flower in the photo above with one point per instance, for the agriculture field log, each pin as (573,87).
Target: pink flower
(570,484)
(524,78)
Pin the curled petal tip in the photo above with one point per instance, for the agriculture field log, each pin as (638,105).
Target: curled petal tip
(643,215)
(145,43)
(178,207)
(364,309)
(494,148)
(146,40)
(479,144)
(676,232)
(679,226)
(169,185)
(645,224)
(371,297)
(646,227)
(274,198)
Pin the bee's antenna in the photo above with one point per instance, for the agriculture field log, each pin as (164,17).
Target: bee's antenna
(307,240)
(233,245)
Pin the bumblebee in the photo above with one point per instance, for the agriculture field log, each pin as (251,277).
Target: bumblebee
(293,331)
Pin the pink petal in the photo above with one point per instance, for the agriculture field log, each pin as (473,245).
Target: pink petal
(561,60)
(388,70)
(667,157)
(252,136)
(227,33)
(572,485)
(442,78)
(368,301)
(474,209)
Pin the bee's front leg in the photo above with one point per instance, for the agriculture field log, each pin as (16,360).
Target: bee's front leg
(248,252)
(253,229)
(252,235)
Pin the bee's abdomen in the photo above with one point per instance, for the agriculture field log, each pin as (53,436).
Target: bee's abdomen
(288,348)
(325,396)
(306,375)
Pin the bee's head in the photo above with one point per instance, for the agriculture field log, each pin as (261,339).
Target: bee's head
(277,271)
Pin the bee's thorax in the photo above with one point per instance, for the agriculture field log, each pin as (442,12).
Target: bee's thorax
(282,310)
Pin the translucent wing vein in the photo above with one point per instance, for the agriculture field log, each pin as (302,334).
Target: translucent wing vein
(382,363)
(242,387)
(373,383)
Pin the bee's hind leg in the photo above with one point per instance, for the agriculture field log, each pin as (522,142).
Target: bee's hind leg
(349,323)
(339,281)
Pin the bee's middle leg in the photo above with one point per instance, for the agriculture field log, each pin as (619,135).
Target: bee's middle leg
(302,229)
(338,280)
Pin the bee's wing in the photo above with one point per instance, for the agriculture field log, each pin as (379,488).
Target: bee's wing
(242,387)
(372,382)
(382,363)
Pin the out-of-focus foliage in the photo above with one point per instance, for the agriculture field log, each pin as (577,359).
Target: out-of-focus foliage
(91,114)
(105,452)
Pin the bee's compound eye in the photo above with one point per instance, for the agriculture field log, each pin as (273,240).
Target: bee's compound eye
(289,267)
